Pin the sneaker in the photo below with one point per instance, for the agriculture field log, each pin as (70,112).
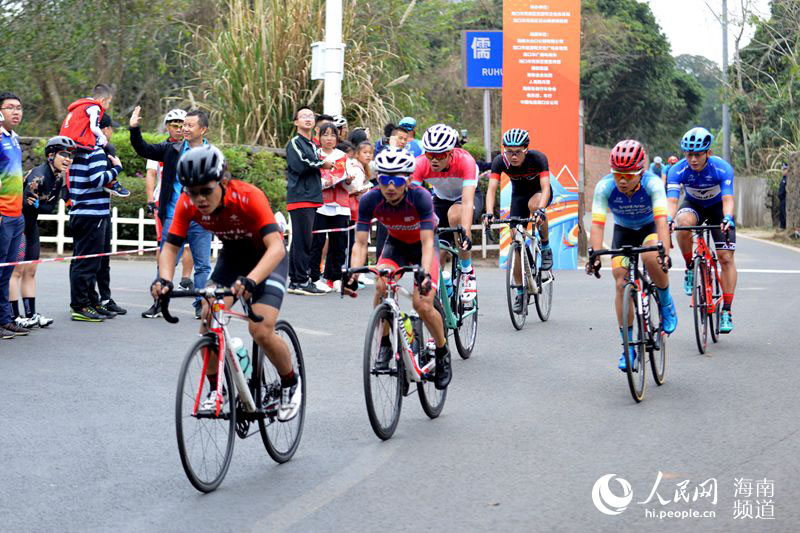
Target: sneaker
(547,258)
(470,286)
(104,311)
(153,312)
(86,314)
(322,286)
(293,288)
(117,189)
(623,362)
(444,371)
(187,283)
(210,403)
(5,334)
(519,302)
(291,399)
(384,356)
(41,320)
(112,306)
(24,322)
(337,285)
(309,289)
(16,330)
(725,322)
(688,282)
(669,317)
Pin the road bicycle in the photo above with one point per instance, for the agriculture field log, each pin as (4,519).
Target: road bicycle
(460,317)
(414,360)
(641,310)
(707,298)
(206,436)
(534,281)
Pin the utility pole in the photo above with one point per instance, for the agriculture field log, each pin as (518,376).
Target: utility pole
(726,112)
(327,59)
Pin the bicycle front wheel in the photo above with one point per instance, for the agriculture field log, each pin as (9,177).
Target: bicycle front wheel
(635,346)
(467,330)
(281,439)
(431,398)
(544,299)
(383,387)
(657,345)
(205,438)
(716,316)
(512,288)
(700,307)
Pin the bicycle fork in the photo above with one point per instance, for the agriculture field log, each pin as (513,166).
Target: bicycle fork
(413,371)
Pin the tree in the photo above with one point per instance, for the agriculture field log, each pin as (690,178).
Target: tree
(709,76)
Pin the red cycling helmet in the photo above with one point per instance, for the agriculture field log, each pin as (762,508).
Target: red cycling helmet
(628,156)
(672,160)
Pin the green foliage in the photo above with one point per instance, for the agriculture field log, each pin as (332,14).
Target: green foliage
(709,76)
(476,150)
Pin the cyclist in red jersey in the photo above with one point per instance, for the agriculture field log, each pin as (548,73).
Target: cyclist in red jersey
(252,262)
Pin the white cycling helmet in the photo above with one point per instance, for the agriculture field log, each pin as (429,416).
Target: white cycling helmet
(439,138)
(395,161)
(657,159)
(339,121)
(175,114)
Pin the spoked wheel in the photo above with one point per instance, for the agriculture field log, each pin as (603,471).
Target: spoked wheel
(431,398)
(699,306)
(715,317)
(205,438)
(544,299)
(383,389)
(657,348)
(467,330)
(281,438)
(512,289)
(636,346)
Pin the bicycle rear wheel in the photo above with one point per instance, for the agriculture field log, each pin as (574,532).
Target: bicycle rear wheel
(544,299)
(716,316)
(205,439)
(657,346)
(431,398)
(514,257)
(699,306)
(281,439)
(383,389)
(636,369)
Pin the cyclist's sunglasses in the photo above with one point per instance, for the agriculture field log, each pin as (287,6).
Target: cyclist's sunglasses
(515,153)
(205,192)
(443,155)
(398,180)
(175,123)
(626,175)
(66,154)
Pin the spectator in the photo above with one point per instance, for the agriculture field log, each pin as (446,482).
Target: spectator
(341,127)
(409,124)
(782,196)
(358,136)
(319,120)
(303,197)
(44,187)
(195,127)
(333,214)
(82,123)
(173,122)
(393,136)
(346,147)
(358,169)
(12,222)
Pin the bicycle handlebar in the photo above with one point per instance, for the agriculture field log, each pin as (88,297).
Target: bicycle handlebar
(458,229)
(207,293)
(629,251)
(704,227)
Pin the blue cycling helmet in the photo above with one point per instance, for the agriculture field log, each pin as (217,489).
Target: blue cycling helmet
(516,137)
(697,140)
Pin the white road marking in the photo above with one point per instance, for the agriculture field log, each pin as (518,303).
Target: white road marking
(314,332)
(750,271)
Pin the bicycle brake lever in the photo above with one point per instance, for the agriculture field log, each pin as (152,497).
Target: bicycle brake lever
(250,314)
(165,311)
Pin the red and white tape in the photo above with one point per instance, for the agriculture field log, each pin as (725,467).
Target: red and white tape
(72,258)
(335,230)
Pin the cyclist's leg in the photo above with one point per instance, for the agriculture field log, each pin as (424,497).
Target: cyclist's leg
(424,305)
(725,250)
(392,259)
(441,208)
(519,208)
(687,215)
(454,219)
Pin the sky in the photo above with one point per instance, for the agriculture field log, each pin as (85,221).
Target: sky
(692,28)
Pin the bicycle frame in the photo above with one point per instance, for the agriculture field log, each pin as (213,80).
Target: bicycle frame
(708,258)
(451,320)
(520,235)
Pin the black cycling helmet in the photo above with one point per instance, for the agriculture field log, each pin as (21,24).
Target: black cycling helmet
(58,143)
(200,165)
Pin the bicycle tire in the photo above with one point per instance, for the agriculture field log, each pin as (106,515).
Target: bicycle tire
(715,317)
(544,298)
(431,398)
(657,345)
(185,397)
(636,372)
(517,319)
(466,333)
(395,376)
(281,439)
(699,308)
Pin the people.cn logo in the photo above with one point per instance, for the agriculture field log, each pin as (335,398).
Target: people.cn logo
(604,498)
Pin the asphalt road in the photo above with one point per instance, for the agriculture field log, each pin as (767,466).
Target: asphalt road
(532,421)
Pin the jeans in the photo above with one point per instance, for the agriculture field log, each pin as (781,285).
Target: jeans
(199,240)
(11,229)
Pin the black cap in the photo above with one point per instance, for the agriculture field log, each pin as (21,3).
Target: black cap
(106,121)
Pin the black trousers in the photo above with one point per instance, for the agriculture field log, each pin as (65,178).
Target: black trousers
(300,252)
(88,234)
(104,274)
(337,246)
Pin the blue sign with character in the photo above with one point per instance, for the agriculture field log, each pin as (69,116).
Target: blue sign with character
(483,59)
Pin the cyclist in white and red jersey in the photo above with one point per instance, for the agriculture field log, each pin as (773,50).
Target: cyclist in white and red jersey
(453,175)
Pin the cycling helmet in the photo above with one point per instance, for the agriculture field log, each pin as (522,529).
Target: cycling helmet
(439,138)
(407,123)
(339,121)
(697,140)
(516,137)
(58,143)
(174,114)
(672,160)
(657,160)
(200,165)
(395,161)
(628,156)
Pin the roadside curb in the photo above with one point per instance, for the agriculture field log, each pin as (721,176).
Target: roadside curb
(767,241)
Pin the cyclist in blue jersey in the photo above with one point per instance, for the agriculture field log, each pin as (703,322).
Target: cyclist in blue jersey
(657,167)
(707,182)
(638,201)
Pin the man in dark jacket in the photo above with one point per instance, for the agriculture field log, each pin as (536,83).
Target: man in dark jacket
(303,197)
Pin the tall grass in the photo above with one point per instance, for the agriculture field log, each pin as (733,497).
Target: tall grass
(254,69)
